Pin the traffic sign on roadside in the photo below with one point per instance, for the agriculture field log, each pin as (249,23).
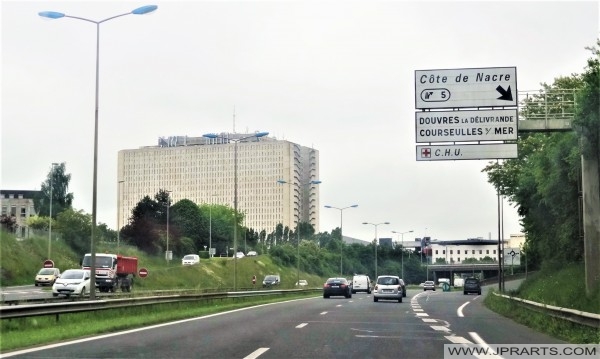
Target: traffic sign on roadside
(466,152)
(464,88)
(48,263)
(463,126)
(143,272)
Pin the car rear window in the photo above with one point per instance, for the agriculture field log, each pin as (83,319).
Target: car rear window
(472,281)
(387,281)
(336,280)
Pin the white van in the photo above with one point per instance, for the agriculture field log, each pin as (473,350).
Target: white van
(361,283)
(459,282)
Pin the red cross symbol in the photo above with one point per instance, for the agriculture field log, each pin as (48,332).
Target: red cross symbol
(426,152)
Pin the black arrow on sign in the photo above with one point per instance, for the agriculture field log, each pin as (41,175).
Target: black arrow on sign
(506,94)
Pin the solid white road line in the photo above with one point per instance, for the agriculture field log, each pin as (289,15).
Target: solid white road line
(480,341)
(460,309)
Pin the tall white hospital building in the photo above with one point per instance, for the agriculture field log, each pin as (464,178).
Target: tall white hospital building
(201,169)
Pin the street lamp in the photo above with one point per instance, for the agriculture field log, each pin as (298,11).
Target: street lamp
(376,241)
(210,231)
(402,247)
(313,182)
(235,191)
(341,231)
(57,15)
(50,218)
(168,206)
(119,221)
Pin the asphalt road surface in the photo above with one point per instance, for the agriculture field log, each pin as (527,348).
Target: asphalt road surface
(313,328)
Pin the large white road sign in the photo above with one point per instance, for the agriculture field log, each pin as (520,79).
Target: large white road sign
(487,151)
(464,88)
(464,126)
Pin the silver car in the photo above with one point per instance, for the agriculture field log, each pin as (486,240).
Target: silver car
(429,285)
(388,287)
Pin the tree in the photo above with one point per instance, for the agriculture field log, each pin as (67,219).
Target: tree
(186,218)
(9,223)
(543,181)
(56,182)
(587,120)
(142,228)
(75,228)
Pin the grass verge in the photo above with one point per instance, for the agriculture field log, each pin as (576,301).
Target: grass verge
(23,333)
(556,327)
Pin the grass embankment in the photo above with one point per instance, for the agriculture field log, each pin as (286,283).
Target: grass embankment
(21,260)
(560,288)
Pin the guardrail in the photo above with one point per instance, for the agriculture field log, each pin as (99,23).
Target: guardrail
(572,315)
(21,311)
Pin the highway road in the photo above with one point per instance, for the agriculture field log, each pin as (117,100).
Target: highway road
(313,328)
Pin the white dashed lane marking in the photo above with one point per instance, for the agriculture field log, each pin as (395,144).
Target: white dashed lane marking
(255,354)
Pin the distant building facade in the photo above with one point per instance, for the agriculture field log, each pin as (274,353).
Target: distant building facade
(19,204)
(202,170)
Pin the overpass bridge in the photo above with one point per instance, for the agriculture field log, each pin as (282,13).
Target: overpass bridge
(480,270)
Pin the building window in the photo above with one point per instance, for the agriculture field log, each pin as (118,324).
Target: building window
(473,252)
(451,251)
(480,251)
(487,251)
(458,252)
(23,212)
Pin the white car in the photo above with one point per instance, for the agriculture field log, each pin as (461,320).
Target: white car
(190,259)
(72,282)
(251,254)
(302,283)
(239,255)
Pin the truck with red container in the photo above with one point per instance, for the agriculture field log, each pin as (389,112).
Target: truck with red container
(113,271)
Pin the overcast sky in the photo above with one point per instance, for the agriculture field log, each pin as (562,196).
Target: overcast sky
(338,76)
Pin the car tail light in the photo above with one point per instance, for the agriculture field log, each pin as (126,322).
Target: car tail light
(342,286)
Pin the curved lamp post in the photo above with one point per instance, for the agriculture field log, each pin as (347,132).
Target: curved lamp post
(235,191)
(57,15)
(341,231)
(402,247)
(376,242)
(313,182)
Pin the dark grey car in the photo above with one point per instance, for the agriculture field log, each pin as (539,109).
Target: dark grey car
(337,286)
(472,285)
(271,280)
